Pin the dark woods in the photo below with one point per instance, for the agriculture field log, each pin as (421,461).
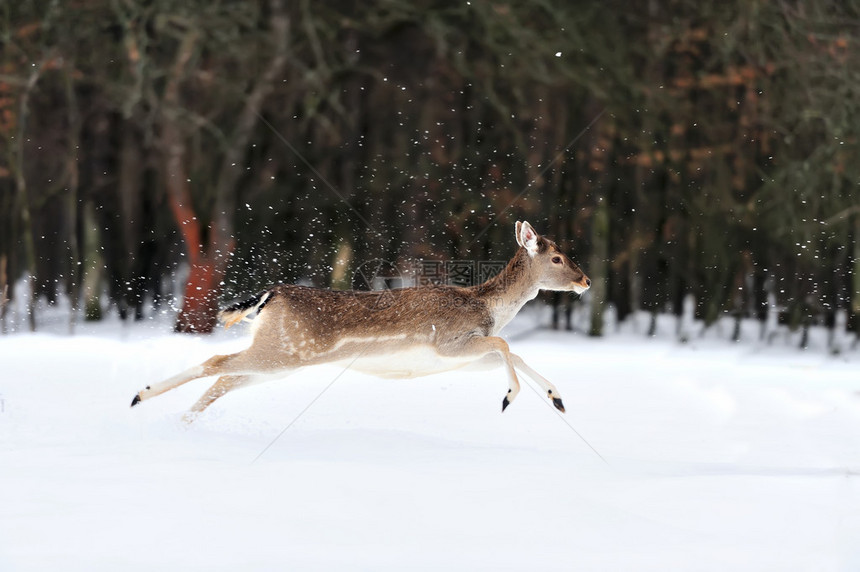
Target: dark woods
(207,149)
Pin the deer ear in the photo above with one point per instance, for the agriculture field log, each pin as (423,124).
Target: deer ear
(517,233)
(528,238)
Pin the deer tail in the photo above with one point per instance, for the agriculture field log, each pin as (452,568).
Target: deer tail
(235,313)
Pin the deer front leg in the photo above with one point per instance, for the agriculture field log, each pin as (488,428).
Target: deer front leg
(551,390)
(479,346)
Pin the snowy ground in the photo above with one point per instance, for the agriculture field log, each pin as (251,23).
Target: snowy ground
(720,457)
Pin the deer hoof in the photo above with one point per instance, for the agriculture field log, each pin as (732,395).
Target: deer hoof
(136,400)
(505,403)
(558,404)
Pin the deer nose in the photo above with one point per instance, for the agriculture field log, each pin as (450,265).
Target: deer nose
(588,282)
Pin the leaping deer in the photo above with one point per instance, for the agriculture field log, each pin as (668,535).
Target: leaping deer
(402,333)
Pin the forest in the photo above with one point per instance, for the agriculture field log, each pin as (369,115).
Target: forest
(167,153)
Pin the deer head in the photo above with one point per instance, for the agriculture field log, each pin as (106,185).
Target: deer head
(550,268)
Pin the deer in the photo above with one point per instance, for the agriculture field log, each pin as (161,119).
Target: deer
(400,333)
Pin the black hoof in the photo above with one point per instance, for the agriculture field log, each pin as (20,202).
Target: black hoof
(135,401)
(505,403)
(558,404)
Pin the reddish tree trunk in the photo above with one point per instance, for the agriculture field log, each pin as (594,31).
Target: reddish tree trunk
(199,314)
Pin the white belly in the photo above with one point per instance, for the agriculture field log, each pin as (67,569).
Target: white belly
(413,362)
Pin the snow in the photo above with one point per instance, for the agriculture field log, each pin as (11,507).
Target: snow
(719,456)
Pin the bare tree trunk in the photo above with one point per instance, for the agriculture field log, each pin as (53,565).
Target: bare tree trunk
(209,252)
(854,306)
(131,194)
(598,266)
(92,276)
(23,197)
(75,273)
(4,291)
(178,191)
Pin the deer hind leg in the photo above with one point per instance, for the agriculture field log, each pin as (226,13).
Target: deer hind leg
(480,347)
(226,384)
(551,390)
(212,366)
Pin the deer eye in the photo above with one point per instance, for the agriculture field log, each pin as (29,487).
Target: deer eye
(556,259)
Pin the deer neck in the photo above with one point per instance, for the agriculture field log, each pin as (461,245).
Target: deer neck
(507,292)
